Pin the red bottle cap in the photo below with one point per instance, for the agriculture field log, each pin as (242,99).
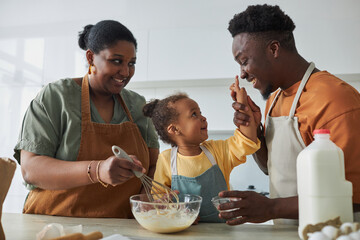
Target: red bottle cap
(321,131)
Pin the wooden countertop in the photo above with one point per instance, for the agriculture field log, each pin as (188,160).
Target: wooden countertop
(25,226)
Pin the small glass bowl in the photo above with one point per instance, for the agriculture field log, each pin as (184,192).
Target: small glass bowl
(216,201)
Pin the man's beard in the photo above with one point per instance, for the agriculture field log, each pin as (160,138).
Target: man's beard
(267,92)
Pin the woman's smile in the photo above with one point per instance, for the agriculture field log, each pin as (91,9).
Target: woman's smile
(120,81)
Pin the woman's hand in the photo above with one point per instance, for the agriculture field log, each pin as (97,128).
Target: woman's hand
(116,171)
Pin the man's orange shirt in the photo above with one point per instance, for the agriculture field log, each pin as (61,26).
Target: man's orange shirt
(327,102)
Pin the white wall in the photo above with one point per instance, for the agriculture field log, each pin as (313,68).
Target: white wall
(181,45)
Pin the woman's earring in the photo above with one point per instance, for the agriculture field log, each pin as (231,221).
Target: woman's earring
(92,69)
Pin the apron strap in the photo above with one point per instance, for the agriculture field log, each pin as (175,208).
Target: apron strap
(300,89)
(173,158)
(272,104)
(298,93)
(85,102)
(208,155)
(122,102)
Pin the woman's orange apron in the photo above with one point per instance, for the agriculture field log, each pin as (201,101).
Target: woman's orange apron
(94,200)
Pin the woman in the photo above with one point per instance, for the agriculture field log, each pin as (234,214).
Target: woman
(65,143)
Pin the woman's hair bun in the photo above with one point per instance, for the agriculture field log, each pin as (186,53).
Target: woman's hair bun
(149,108)
(83,37)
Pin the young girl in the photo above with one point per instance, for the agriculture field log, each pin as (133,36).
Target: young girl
(194,165)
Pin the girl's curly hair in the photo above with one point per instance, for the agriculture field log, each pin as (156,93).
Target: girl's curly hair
(162,114)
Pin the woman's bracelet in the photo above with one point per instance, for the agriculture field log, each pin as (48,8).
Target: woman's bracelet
(98,177)
(88,171)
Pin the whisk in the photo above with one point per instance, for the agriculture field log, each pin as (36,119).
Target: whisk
(152,187)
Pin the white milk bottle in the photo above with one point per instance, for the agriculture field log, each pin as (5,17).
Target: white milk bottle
(324,193)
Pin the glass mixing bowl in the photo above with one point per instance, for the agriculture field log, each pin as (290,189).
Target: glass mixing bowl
(165,217)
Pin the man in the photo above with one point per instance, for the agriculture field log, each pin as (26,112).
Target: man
(308,99)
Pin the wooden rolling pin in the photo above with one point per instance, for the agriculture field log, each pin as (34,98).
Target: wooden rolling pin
(80,236)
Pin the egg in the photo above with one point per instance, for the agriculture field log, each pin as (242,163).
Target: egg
(349,227)
(354,236)
(318,236)
(331,231)
(344,237)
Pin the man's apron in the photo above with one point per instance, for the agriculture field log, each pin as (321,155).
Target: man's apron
(284,143)
(207,185)
(94,200)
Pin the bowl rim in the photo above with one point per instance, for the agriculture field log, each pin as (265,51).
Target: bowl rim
(199,199)
(217,198)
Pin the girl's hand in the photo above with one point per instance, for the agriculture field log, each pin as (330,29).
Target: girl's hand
(248,128)
(242,105)
(238,94)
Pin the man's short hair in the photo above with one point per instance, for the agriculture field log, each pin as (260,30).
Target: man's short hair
(265,21)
